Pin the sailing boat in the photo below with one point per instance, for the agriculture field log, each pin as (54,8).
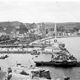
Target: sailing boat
(60,55)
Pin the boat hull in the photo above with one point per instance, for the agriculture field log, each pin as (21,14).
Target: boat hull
(53,63)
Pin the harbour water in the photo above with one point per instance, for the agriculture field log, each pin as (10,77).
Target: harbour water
(72,44)
(73,73)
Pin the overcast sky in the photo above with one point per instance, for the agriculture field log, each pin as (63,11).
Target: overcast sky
(39,11)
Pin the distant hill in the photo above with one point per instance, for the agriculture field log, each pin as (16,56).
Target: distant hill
(31,25)
(67,25)
(14,26)
(13,23)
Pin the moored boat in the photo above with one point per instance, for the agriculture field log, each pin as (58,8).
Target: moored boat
(21,72)
(60,57)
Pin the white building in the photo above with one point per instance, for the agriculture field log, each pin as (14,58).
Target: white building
(79,31)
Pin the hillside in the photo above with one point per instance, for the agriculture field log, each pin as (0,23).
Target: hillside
(68,25)
(14,26)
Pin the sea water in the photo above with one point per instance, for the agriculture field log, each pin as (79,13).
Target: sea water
(72,44)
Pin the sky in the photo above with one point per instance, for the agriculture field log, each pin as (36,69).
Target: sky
(29,11)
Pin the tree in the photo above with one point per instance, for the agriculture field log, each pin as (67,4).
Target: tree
(1,28)
(47,31)
(22,29)
(71,30)
(9,29)
(61,28)
(75,29)
(52,29)
(4,37)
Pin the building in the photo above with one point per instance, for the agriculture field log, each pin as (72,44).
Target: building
(3,33)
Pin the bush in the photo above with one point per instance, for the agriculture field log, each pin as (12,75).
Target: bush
(4,38)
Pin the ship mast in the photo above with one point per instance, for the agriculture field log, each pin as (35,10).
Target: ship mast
(55,30)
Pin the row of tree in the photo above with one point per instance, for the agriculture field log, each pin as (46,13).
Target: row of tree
(4,37)
(63,29)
